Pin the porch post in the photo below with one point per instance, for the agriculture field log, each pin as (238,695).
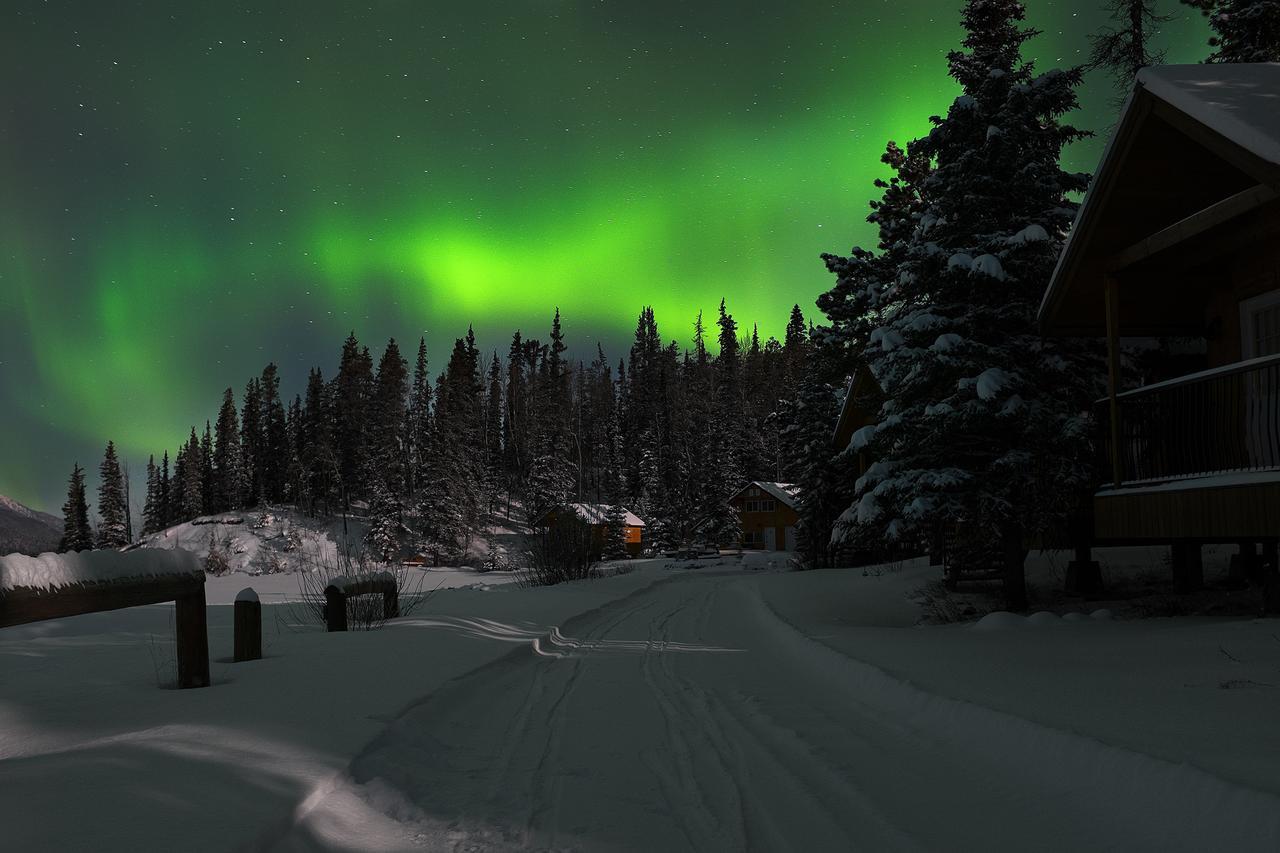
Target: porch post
(1110,289)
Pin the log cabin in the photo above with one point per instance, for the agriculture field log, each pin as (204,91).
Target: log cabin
(596,516)
(768,513)
(1179,238)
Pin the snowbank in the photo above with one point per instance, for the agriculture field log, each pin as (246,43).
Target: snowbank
(51,571)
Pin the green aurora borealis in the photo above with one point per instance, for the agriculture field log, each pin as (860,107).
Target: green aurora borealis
(188,191)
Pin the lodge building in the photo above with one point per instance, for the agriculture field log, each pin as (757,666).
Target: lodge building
(1179,237)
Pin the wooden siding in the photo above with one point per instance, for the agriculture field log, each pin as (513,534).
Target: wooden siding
(756,522)
(1211,514)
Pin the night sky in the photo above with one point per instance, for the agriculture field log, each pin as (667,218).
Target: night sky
(188,191)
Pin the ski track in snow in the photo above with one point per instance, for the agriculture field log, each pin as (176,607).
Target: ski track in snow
(689,716)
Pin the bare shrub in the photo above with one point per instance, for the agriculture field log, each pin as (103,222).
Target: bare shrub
(216,563)
(364,612)
(558,553)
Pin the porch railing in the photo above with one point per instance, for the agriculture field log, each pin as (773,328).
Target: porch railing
(1218,421)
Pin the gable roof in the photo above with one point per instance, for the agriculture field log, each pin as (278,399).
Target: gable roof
(1190,138)
(595,514)
(785,492)
(861,405)
(1240,102)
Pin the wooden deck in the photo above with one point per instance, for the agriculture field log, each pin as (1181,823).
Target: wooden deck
(1208,509)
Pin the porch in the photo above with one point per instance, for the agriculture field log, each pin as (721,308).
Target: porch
(1193,458)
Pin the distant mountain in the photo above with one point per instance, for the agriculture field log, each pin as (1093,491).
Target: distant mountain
(24,530)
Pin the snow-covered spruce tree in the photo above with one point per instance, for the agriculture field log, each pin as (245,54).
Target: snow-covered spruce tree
(191,492)
(112,531)
(823,476)
(228,461)
(1243,30)
(151,506)
(449,498)
(165,493)
(418,429)
(351,391)
(252,444)
(206,469)
(1124,48)
(385,522)
(274,457)
(984,425)
(319,458)
(76,534)
(615,540)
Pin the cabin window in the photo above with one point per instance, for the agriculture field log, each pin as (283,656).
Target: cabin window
(763,505)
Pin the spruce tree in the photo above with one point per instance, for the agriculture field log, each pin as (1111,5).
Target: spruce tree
(252,442)
(320,459)
(76,533)
(983,426)
(228,459)
(387,421)
(208,481)
(112,528)
(419,415)
(165,493)
(151,518)
(1243,30)
(1124,48)
(191,492)
(352,390)
(273,452)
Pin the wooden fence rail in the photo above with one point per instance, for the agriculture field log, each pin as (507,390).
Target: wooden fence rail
(336,595)
(22,605)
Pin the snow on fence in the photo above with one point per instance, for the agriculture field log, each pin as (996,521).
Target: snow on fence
(51,586)
(342,587)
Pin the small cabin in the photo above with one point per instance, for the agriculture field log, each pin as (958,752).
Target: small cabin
(596,516)
(861,408)
(768,513)
(1179,238)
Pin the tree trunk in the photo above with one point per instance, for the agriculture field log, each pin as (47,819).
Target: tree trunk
(1015,573)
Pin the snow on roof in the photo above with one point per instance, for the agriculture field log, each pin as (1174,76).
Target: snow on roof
(1240,101)
(785,492)
(599,514)
(51,571)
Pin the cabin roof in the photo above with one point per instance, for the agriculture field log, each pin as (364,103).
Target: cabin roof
(861,405)
(785,492)
(595,514)
(1190,138)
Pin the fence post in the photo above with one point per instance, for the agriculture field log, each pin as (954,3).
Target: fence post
(248,626)
(390,600)
(192,631)
(335,609)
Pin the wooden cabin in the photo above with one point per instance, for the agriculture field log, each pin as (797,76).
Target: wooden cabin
(769,517)
(861,408)
(1179,237)
(597,517)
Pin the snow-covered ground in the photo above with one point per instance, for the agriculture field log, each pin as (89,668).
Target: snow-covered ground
(701,705)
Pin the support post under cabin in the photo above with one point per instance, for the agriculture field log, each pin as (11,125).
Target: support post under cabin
(1112,299)
(1188,566)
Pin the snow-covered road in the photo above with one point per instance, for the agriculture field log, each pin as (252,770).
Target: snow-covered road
(689,716)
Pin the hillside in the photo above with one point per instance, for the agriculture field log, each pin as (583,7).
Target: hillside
(25,530)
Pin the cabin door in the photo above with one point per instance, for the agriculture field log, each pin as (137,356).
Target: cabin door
(1260,336)
(770,539)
